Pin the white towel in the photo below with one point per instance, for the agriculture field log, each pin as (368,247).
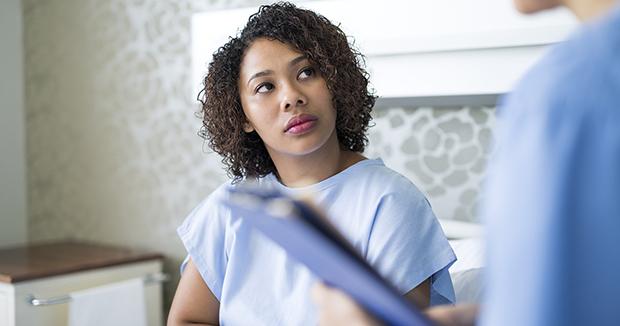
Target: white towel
(117,304)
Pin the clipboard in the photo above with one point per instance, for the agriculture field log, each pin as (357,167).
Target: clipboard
(307,236)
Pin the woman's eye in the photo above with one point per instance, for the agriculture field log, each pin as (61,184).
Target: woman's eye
(306,73)
(264,88)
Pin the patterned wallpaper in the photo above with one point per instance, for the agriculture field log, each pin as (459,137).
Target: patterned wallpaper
(112,150)
(442,150)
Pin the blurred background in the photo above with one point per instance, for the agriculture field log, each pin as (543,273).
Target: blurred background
(99,129)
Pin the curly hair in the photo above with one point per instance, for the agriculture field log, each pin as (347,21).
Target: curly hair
(324,44)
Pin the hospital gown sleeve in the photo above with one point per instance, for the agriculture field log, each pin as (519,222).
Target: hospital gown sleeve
(408,246)
(203,234)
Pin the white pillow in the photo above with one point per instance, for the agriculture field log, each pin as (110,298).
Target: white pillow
(467,271)
(454,229)
(468,285)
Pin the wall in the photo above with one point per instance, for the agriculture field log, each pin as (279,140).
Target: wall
(113,154)
(13,218)
(443,150)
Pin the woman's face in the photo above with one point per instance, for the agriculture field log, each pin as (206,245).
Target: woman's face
(285,100)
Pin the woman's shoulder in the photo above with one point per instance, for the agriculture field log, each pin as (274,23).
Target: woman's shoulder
(211,207)
(214,200)
(222,191)
(376,175)
(217,195)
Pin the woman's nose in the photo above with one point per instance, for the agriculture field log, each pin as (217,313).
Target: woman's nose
(293,97)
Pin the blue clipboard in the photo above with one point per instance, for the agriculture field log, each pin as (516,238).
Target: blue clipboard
(309,238)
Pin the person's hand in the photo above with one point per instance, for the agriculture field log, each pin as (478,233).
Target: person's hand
(336,308)
(449,315)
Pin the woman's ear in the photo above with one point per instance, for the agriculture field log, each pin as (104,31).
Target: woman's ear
(247,127)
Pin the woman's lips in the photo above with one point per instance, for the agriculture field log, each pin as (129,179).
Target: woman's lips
(301,127)
(300,124)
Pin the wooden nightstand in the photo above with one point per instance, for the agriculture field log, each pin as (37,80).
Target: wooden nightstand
(36,280)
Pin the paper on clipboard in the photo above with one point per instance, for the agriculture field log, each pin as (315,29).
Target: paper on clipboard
(311,240)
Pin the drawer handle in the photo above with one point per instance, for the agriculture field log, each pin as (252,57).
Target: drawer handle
(34,301)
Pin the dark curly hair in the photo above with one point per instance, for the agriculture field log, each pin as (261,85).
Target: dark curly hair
(324,44)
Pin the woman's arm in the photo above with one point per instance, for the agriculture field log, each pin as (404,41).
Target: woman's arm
(420,295)
(193,303)
(458,315)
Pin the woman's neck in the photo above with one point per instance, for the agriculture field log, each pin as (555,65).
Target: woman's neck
(305,170)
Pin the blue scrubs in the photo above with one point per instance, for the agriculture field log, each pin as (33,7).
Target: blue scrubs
(553,196)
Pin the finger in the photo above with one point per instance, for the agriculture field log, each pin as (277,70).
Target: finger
(319,292)
(332,298)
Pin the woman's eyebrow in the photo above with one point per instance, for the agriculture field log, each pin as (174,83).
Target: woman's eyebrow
(297,60)
(260,74)
(269,72)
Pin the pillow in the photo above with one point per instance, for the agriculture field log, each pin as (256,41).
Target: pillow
(468,285)
(467,271)
(455,229)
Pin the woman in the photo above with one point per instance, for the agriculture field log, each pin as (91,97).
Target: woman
(286,104)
